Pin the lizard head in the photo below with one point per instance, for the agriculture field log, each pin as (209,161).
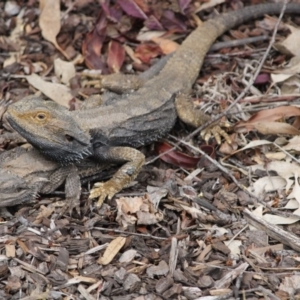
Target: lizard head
(50,128)
(14,190)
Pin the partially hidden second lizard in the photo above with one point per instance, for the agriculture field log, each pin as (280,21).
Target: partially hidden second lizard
(111,132)
(25,173)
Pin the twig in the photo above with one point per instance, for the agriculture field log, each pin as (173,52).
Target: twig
(273,231)
(235,43)
(130,233)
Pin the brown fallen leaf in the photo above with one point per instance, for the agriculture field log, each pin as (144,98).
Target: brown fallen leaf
(112,250)
(275,128)
(268,115)
(49,22)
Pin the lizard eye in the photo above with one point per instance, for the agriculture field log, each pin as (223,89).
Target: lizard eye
(69,138)
(41,116)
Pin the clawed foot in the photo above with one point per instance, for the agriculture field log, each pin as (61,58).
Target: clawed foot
(216,131)
(69,206)
(104,190)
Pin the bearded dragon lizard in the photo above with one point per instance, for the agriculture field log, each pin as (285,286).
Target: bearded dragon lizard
(25,173)
(110,133)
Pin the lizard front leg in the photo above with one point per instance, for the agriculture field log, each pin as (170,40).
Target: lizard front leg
(195,117)
(134,161)
(69,175)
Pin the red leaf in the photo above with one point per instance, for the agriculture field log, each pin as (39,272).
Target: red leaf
(183,4)
(92,44)
(153,24)
(145,52)
(132,9)
(116,56)
(171,22)
(175,157)
(180,159)
(262,79)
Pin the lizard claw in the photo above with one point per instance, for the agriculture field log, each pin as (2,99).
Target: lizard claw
(103,190)
(216,131)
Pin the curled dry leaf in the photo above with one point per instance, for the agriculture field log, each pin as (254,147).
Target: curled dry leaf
(178,158)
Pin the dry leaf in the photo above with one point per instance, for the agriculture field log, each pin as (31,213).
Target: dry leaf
(290,45)
(290,284)
(267,115)
(234,246)
(49,21)
(267,184)
(275,128)
(166,46)
(296,194)
(285,170)
(55,91)
(209,4)
(146,35)
(279,220)
(112,250)
(293,144)
(128,256)
(138,210)
(10,250)
(64,70)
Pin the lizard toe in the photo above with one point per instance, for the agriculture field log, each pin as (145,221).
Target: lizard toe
(104,190)
(217,132)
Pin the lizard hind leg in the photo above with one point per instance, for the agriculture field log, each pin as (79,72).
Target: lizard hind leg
(194,117)
(134,160)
